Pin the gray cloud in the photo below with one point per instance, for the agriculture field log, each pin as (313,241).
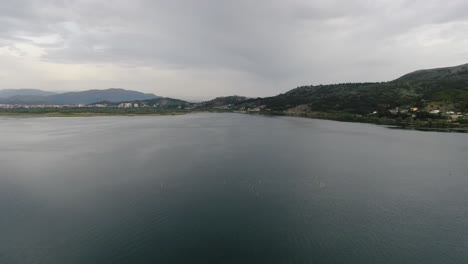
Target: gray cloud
(250,47)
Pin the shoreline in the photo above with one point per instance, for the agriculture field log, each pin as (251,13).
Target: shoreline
(421,125)
(86,114)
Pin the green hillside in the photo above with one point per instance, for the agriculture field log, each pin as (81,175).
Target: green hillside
(221,102)
(447,73)
(445,89)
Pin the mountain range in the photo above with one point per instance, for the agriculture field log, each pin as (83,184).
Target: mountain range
(34,96)
(448,73)
(445,89)
(6,93)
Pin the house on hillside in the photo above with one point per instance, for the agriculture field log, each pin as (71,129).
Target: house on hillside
(124,105)
(394,111)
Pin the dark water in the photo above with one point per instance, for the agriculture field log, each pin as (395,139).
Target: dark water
(229,188)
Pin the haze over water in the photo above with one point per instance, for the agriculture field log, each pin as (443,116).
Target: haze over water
(229,188)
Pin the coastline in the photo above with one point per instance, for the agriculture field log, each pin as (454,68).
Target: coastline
(419,125)
(78,112)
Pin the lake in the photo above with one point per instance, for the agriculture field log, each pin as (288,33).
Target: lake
(229,188)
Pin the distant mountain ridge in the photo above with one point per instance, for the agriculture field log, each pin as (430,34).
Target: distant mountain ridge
(92,96)
(444,89)
(446,73)
(82,97)
(6,93)
(222,101)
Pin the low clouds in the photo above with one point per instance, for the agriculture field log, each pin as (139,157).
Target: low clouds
(210,47)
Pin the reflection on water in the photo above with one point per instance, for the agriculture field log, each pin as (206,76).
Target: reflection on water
(229,188)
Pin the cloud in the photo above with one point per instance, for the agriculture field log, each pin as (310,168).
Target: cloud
(223,47)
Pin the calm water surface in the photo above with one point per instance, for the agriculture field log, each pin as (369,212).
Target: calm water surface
(229,188)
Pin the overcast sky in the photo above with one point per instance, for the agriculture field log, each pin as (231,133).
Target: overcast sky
(206,48)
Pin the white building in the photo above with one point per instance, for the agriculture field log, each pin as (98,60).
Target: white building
(124,105)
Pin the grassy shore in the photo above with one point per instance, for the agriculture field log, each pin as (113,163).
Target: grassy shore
(87,112)
(441,125)
(423,125)
(90,114)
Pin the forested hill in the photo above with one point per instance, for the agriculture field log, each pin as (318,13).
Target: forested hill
(448,73)
(221,102)
(444,89)
(6,93)
(32,97)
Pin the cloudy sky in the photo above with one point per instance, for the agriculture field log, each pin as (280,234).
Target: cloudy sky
(206,48)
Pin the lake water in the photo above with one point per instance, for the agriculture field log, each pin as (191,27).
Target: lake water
(229,188)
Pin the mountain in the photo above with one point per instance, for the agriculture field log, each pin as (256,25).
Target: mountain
(92,96)
(83,97)
(25,99)
(166,103)
(6,93)
(222,101)
(447,73)
(443,89)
